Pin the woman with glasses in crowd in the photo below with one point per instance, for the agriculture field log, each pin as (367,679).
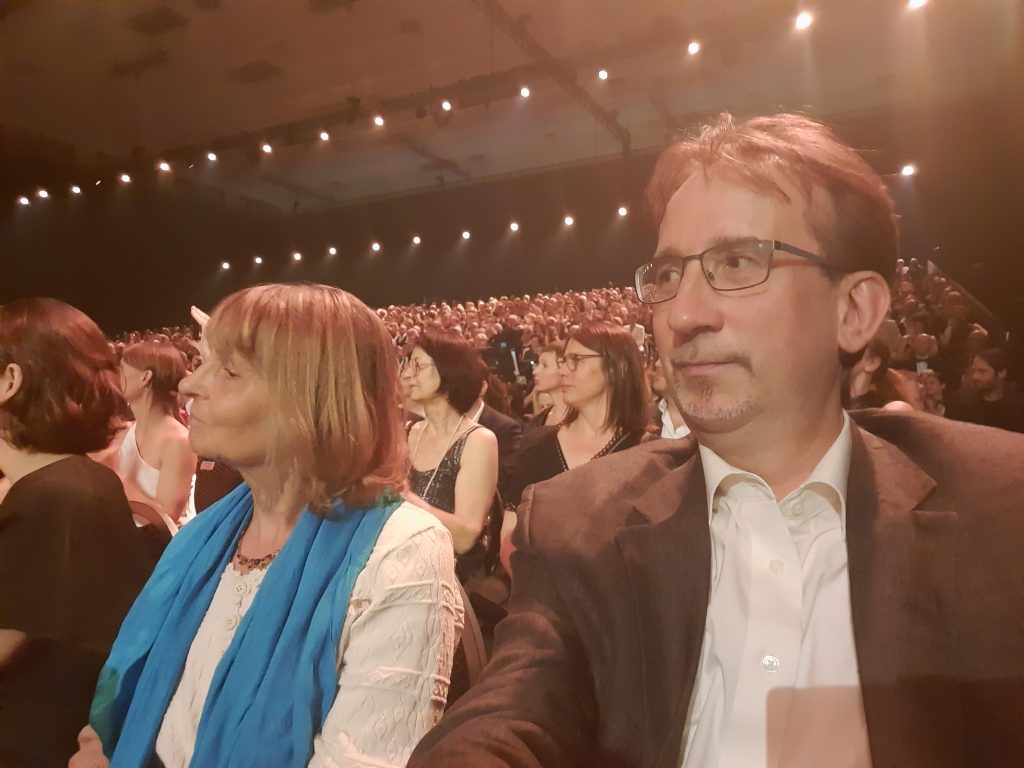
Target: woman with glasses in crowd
(454,460)
(601,378)
(71,559)
(267,635)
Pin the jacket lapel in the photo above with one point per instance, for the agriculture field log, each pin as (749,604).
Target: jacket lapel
(666,545)
(902,563)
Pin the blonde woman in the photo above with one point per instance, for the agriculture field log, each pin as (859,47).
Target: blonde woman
(267,634)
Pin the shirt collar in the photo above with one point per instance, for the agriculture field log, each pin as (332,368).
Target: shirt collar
(831,475)
(668,429)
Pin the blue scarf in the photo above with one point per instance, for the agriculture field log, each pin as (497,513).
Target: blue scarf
(275,684)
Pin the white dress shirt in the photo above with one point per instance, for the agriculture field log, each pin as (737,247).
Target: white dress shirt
(777,684)
(395,653)
(668,429)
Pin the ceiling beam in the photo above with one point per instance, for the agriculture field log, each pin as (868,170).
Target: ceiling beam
(298,189)
(565,77)
(442,163)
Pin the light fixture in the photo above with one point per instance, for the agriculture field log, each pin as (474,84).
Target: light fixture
(908,170)
(378,120)
(569,221)
(602,74)
(23,200)
(297,256)
(164,166)
(225,265)
(804,19)
(333,251)
(524,92)
(98,182)
(446,105)
(416,240)
(125,178)
(693,48)
(258,260)
(465,234)
(75,189)
(324,136)
(623,210)
(375,246)
(42,194)
(211,156)
(267,149)
(913,5)
(514,226)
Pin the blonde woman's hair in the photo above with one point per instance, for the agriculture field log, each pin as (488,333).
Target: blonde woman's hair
(332,373)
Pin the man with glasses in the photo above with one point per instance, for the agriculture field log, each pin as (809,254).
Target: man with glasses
(797,586)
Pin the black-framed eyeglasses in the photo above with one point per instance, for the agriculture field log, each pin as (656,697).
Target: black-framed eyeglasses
(730,266)
(412,366)
(571,362)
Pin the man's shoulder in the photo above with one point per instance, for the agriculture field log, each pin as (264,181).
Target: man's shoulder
(495,420)
(600,495)
(949,451)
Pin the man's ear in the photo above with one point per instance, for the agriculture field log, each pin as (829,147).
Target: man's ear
(11,379)
(863,302)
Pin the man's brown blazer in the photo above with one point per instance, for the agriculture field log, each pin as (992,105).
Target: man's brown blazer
(596,663)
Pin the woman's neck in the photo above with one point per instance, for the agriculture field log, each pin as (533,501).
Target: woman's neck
(275,509)
(441,418)
(146,412)
(16,463)
(592,417)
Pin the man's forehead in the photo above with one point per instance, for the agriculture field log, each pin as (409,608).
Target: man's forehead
(712,206)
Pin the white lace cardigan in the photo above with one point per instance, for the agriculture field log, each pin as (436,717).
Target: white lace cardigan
(395,655)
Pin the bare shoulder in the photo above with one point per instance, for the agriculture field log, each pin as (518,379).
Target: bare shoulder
(482,436)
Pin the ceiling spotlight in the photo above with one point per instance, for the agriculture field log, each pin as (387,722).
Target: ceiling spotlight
(602,74)
(333,251)
(514,226)
(465,234)
(693,48)
(623,210)
(297,256)
(225,265)
(267,149)
(324,136)
(804,20)
(908,170)
(211,156)
(258,260)
(75,189)
(446,105)
(98,182)
(164,166)
(125,178)
(913,5)
(375,247)
(569,221)
(524,92)
(42,194)
(191,166)
(378,121)
(416,240)
(23,200)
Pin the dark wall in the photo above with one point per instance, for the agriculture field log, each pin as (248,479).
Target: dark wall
(138,256)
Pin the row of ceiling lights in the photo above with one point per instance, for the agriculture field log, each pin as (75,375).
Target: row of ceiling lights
(802,21)
(376,247)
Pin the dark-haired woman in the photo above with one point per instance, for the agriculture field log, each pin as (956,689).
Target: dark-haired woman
(154,460)
(603,387)
(71,559)
(454,460)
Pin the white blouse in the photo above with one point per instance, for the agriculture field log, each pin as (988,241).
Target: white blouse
(404,621)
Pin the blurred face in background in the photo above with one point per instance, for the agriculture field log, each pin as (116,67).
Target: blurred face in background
(588,382)
(546,376)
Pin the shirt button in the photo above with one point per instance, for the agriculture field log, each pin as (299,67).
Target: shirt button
(770,663)
(241,588)
(776,566)
(797,509)
(232,621)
